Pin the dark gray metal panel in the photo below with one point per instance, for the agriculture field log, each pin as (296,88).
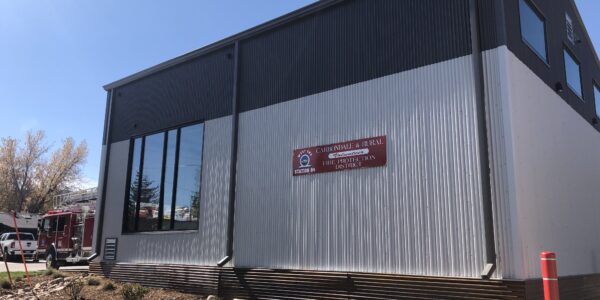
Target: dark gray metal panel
(106,114)
(199,89)
(492,24)
(347,43)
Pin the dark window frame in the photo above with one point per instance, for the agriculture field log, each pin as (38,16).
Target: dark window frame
(164,131)
(567,50)
(538,12)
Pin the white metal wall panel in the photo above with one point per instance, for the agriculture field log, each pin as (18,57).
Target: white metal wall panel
(501,161)
(556,176)
(420,214)
(205,246)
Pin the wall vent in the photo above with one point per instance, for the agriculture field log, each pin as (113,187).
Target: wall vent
(110,249)
(570,29)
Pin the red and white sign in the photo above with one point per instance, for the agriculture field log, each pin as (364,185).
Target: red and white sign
(363,153)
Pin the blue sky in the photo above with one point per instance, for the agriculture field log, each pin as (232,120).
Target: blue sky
(55,55)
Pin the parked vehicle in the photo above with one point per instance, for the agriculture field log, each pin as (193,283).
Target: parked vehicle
(10,246)
(65,234)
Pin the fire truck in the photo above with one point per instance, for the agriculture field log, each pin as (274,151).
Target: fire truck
(65,232)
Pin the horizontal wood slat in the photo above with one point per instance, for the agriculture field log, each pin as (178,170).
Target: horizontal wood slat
(302,284)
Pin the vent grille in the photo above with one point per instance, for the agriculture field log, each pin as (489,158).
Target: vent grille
(110,249)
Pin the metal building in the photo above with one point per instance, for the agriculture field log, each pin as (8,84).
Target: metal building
(362,149)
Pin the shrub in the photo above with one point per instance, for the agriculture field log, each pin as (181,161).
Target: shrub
(133,291)
(5,284)
(49,271)
(93,281)
(56,274)
(18,279)
(73,289)
(109,286)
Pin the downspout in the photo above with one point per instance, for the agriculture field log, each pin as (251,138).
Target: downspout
(233,159)
(484,160)
(102,196)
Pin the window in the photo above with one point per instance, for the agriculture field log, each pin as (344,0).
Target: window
(597,97)
(572,73)
(22,236)
(533,29)
(165,181)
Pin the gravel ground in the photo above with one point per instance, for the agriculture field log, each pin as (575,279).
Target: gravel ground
(55,289)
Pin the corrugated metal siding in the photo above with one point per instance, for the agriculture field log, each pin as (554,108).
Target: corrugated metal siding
(205,246)
(347,43)
(556,167)
(420,214)
(200,89)
(492,24)
(501,161)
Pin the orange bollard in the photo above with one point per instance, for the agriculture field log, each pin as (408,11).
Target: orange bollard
(549,275)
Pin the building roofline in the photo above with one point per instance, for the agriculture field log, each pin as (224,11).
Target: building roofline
(289,17)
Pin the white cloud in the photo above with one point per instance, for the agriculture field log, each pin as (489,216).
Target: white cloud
(86,183)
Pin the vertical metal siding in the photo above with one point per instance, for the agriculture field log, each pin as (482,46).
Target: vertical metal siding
(205,246)
(199,89)
(501,160)
(420,214)
(347,43)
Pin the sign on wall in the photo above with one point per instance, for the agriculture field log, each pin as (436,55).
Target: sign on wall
(363,153)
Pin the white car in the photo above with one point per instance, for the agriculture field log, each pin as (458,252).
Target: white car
(10,246)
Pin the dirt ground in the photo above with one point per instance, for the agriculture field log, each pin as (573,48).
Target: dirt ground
(90,291)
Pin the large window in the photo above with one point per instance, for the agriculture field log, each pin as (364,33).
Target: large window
(572,73)
(165,177)
(533,29)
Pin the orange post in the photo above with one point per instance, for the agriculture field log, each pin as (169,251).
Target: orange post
(20,247)
(549,275)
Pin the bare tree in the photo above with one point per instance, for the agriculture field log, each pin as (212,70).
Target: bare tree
(28,179)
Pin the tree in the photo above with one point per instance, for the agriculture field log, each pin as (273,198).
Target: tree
(148,192)
(29,179)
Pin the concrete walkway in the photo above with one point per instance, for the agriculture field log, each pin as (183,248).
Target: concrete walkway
(40,266)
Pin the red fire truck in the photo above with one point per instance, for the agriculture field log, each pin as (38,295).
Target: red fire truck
(65,233)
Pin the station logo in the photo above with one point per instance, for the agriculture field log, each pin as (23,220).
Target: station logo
(304,159)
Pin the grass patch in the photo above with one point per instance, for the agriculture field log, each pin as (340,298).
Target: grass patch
(14,275)
(133,291)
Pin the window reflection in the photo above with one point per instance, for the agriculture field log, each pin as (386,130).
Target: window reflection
(164,191)
(573,75)
(150,182)
(169,176)
(188,177)
(134,186)
(533,29)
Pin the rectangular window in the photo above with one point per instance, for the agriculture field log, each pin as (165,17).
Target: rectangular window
(572,73)
(533,29)
(597,98)
(169,177)
(165,176)
(188,177)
